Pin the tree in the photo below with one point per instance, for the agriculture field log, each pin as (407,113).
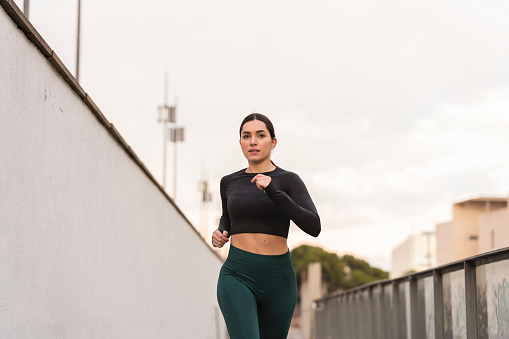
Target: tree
(361,272)
(332,266)
(337,273)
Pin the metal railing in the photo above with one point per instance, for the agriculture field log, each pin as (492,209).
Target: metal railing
(467,299)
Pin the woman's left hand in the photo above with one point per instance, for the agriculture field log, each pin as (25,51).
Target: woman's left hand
(261,181)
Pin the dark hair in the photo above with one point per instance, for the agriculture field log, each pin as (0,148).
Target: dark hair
(265,120)
(262,118)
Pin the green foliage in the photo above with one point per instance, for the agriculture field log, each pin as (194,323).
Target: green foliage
(337,273)
(332,266)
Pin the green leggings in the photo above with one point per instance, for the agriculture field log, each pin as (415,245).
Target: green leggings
(257,294)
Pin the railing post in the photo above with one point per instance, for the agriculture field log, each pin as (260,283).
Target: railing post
(421,308)
(371,332)
(414,311)
(438,298)
(388,312)
(471,300)
(396,319)
(339,315)
(318,323)
(356,325)
(353,324)
(383,310)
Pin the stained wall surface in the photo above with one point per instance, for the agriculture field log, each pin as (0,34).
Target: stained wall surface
(90,246)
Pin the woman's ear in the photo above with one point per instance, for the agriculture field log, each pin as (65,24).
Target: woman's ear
(274,143)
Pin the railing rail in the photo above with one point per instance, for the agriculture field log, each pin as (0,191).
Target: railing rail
(467,299)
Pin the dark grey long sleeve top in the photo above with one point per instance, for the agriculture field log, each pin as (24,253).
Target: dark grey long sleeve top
(247,209)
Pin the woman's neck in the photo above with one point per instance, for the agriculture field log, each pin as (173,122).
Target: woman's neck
(260,168)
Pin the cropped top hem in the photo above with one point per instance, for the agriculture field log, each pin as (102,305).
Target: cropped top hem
(239,229)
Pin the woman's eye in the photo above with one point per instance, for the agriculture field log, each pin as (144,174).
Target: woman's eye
(245,136)
(261,135)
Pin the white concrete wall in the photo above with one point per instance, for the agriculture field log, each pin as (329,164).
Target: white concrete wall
(89,245)
(416,253)
(401,258)
(424,251)
(445,243)
(493,230)
(310,290)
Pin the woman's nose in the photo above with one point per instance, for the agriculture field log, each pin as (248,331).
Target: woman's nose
(253,141)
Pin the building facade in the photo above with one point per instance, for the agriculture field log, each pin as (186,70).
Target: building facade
(477,226)
(415,253)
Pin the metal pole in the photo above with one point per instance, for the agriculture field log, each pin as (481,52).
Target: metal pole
(438,298)
(397,320)
(175,171)
(414,311)
(175,155)
(26,7)
(78,43)
(165,136)
(471,300)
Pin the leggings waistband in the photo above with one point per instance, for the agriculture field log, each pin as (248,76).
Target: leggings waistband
(244,262)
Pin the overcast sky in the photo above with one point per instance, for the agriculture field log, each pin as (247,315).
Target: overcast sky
(390,111)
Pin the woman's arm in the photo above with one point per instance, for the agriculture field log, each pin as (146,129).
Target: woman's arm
(224,221)
(220,236)
(296,203)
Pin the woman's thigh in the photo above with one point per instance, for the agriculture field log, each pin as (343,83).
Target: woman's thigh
(239,308)
(275,309)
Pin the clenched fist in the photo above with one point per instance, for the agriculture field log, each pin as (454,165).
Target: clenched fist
(261,181)
(219,239)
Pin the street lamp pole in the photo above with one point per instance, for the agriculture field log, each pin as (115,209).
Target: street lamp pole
(165,136)
(177,134)
(168,114)
(175,155)
(206,197)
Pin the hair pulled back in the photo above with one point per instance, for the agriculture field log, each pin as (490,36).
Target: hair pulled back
(262,118)
(265,120)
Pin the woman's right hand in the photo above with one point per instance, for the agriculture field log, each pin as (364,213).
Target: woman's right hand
(219,239)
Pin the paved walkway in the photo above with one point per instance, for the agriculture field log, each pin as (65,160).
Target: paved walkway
(294,333)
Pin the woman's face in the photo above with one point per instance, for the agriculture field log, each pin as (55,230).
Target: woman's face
(255,141)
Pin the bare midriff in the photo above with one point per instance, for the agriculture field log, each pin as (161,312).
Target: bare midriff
(259,243)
